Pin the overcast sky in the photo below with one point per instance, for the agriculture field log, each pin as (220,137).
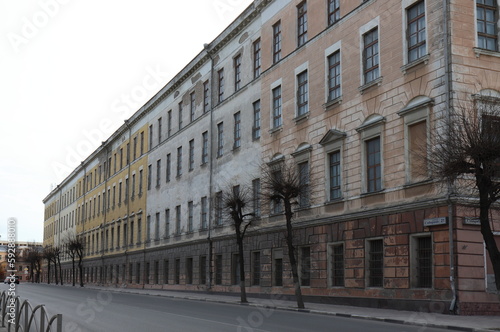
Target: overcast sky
(71,71)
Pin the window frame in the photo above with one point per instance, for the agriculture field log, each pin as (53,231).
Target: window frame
(302,93)
(220,139)
(370,260)
(494,36)
(302,23)
(237,72)
(257,58)
(333,11)
(277,42)
(237,130)
(256,128)
(277,104)
(220,85)
(408,22)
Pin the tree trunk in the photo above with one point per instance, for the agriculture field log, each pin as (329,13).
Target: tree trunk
(58,263)
(239,239)
(73,269)
(80,268)
(48,272)
(291,254)
(488,237)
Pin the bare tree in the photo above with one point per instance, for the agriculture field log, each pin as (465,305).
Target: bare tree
(75,249)
(467,154)
(284,186)
(34,258)
(57,263)
(236,201)
(49,256)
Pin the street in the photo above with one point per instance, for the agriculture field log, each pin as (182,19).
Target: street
(101,310)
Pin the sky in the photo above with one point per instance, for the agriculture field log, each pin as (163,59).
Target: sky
(71,71)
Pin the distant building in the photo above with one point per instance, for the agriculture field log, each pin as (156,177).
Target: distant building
(22,265)
(348,90)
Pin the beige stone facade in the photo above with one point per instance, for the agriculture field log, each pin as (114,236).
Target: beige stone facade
(350,91)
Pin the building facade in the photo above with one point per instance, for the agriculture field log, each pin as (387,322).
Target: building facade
(349,91)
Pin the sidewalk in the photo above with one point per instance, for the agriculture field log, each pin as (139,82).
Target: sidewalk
(460,323)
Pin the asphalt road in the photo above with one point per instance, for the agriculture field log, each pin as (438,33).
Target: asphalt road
(93,310)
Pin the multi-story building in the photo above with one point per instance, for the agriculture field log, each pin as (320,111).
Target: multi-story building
(346,90)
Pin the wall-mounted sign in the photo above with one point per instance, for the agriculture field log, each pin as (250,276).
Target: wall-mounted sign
(472,221)
(435,221)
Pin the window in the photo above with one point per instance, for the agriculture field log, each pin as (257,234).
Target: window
(179,161)
(256,197)
(376,263)
(415,33)
(333,11)
(218,269)
(373,165)
(302,24)
(156,272)
(235,269)
(157,226)
(150,174)
(256,120)
(220,139)
(190,216)
(237,130)
(169,123)
(256,58)
(180,115)
(277,42)
(220,75)
(277,267)
(167,223)
(139,230)
(277,204)
(204,150)
(370,56)
(189,270)
(337,265)
(148,229)
(417,141)
(142,143)
(487,21)
(334,175)
(203,270)
(303,169)
(135,148)
(150,141)
(165,271)
(421,260)
(177,271)
(204,213)
(191,155)
(159,133)
(140,181)
(168,171)
(305,266)
(206,97)
(256,268)
(237,72)
(302,94)
(138,273)
(192,106)
(158,172)
(178,220)
(218,208)
(131,233)
(334,76)
(277,120)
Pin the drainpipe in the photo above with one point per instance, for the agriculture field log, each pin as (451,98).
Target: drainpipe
(209,238)
(448,92)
